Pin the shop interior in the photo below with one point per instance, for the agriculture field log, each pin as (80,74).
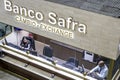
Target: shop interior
(77,59)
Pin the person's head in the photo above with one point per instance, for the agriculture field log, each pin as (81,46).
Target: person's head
(25,40)
(101,63)
(30,35)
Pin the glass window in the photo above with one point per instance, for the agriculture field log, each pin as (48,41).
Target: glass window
(5,29)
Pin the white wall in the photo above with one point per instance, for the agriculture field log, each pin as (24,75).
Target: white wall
(16,36)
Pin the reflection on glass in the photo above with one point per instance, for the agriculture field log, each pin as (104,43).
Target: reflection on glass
(4,29)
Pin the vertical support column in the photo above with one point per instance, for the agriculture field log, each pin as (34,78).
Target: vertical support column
(109,77)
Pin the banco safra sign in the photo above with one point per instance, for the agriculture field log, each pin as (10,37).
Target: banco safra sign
(33,18)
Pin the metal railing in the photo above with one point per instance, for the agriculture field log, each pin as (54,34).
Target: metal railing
(117,75)
(14,74)
(52,66)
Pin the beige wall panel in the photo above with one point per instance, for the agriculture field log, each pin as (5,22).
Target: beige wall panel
(103,32)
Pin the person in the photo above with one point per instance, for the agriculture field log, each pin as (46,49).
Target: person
(32,42)
(100,71)
(25,44)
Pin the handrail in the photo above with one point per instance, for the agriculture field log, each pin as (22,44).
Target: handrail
(14,74)
(22,67)
(116,74)
(48,65)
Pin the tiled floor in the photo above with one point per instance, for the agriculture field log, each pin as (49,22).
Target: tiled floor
(106,7)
